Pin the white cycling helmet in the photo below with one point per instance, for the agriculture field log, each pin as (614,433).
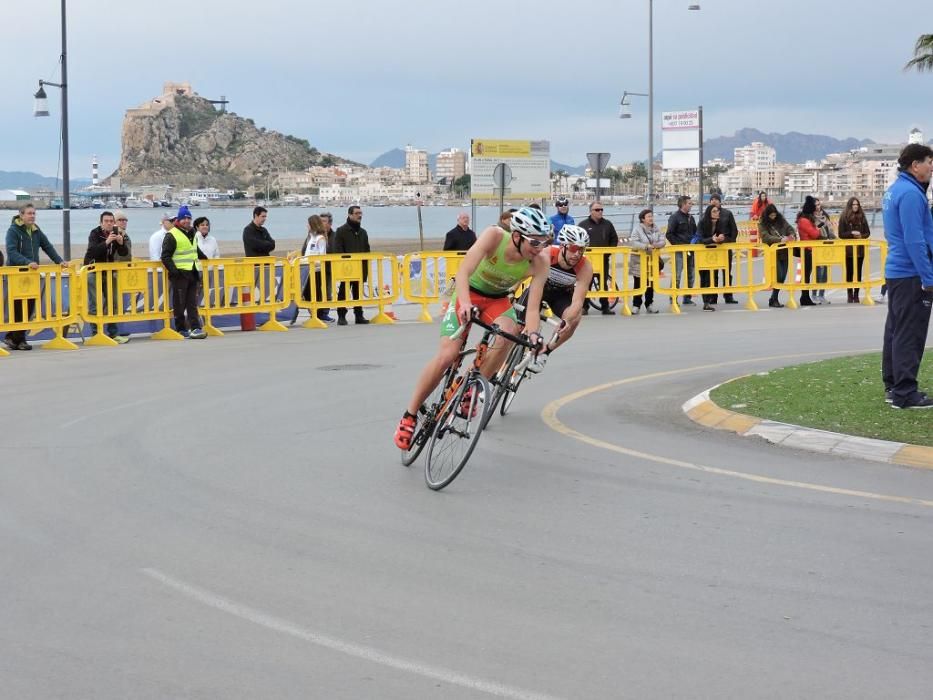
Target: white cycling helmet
(530,222)
(573,235)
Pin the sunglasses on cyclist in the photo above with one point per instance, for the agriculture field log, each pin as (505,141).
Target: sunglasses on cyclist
(576,248)
(536,242)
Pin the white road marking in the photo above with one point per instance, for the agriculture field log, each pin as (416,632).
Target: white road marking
(376,656)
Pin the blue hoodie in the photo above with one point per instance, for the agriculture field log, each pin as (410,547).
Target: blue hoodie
(908,228)
(558,221)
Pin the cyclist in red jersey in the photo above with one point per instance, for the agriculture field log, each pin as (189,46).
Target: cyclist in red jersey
(568,280)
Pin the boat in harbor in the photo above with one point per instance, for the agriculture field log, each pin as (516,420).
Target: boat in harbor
(133,202)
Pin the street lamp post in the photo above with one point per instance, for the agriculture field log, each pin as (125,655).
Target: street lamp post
(650,96)
(42,110)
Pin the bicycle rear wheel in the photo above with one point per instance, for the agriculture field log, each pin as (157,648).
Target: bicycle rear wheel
(512,387)
(456,432)
(500,382)
(595,287)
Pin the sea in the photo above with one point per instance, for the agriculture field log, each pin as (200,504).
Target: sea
(380,222)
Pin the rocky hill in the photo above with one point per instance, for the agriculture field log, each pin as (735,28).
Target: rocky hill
(182,139)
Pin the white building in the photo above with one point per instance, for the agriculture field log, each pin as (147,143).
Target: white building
(451,164)
(754,157)
(416,165)
(916,136)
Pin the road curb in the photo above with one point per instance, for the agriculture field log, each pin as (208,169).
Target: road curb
(704,411)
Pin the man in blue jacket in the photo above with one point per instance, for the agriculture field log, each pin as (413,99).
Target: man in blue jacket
(23,241)
(908,228)
(562,217)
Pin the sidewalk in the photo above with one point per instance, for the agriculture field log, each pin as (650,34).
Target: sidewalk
(701,409)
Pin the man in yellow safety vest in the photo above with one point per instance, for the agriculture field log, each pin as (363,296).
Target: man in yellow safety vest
(180,255)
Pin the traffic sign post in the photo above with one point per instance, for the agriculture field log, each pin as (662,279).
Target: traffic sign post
(598,162)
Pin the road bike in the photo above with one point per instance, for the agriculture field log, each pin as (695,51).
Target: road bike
(450,423)
(508,379)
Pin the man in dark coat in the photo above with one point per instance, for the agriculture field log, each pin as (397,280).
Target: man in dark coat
(681,227)
(602,235)
(257,241)
(730,230)
(351,238)
(461,236)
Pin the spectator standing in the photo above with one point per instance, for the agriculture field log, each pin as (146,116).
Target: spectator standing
(648,237)
(807,231)
(180,255)
(257,241)
(562,216)
(24,239)
(207,244)
(758,205)
(461,236)
(315,244)
(710,232)
(773,229)
(681,228)
(853,225)
(156,239)
(352,238)
(730,230)
(104,243)
(602,235)
(825,227)
(121,221)
(908,228)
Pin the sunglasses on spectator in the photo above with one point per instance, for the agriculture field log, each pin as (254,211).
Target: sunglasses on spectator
(123,219)
(598,209)
(537,242)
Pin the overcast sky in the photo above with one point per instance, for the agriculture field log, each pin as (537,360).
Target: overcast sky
(358,78)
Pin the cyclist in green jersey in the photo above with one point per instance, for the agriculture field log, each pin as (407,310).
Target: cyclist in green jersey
(491,269)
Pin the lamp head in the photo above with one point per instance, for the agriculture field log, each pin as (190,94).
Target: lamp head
(41,108)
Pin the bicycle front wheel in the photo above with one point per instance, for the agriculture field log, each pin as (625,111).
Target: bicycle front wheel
(613,292)
(457,431)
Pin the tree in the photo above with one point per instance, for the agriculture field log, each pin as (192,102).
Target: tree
(923,55)
(462,185)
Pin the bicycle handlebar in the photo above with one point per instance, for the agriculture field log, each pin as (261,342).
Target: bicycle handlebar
(474,318)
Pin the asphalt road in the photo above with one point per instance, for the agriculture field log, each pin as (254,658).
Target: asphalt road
(229,519)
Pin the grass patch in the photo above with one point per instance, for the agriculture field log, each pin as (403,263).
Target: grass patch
(844,395)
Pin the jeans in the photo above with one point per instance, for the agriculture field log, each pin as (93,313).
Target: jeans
(678,268)
(110,301)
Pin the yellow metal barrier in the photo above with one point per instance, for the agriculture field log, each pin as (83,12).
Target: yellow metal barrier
(124,292)
(44,297)
(245,286)
(732,264)
(374,275)
(427,277)
(612,278)
(839,256)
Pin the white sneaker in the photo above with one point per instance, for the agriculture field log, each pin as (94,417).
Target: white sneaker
(537,364)
(197,334)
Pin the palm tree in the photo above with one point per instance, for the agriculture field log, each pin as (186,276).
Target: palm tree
(923,54)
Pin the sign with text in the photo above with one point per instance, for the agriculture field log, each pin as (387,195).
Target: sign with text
(680,139)
(527,162)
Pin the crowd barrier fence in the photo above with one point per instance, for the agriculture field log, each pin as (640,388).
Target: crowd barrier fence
(730,263)
(840,258)
(245,286)
(428,277)
(43,299)
(364,279)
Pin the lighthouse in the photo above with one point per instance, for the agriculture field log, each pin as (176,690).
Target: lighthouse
(94,174)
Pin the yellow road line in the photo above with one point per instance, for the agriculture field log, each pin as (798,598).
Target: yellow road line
(549,416)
